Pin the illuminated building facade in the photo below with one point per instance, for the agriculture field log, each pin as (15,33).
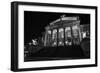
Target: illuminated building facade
(62,32)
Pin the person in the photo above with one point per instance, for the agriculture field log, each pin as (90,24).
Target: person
(34,41)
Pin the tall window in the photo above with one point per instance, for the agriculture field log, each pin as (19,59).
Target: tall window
(54,37)
(75,30)
(61,36)
(68,38)
(49,37)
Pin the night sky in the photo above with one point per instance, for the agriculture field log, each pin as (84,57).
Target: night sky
(34,22)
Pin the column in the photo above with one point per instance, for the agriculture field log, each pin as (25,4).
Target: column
(64,36)
(51,37)
(45,41)
(57,36)
(71,34)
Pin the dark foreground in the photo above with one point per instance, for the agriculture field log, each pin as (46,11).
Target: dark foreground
(56,53)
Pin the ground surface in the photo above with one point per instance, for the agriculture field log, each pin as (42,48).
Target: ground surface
(55,53)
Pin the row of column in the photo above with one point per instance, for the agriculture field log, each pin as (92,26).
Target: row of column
(62,36)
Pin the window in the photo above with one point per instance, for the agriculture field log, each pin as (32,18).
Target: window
(49,37)
(75,31)
(76,37)
(68,38)
(54,37)
(61,36)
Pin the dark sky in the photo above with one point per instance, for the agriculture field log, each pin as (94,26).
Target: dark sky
(34,22)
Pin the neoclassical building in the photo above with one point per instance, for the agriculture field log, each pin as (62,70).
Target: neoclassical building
(63,31)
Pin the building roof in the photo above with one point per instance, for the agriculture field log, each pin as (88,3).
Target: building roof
(62,22)
(65,19)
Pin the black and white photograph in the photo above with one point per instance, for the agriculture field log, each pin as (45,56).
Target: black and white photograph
(52,36)
(56,36)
